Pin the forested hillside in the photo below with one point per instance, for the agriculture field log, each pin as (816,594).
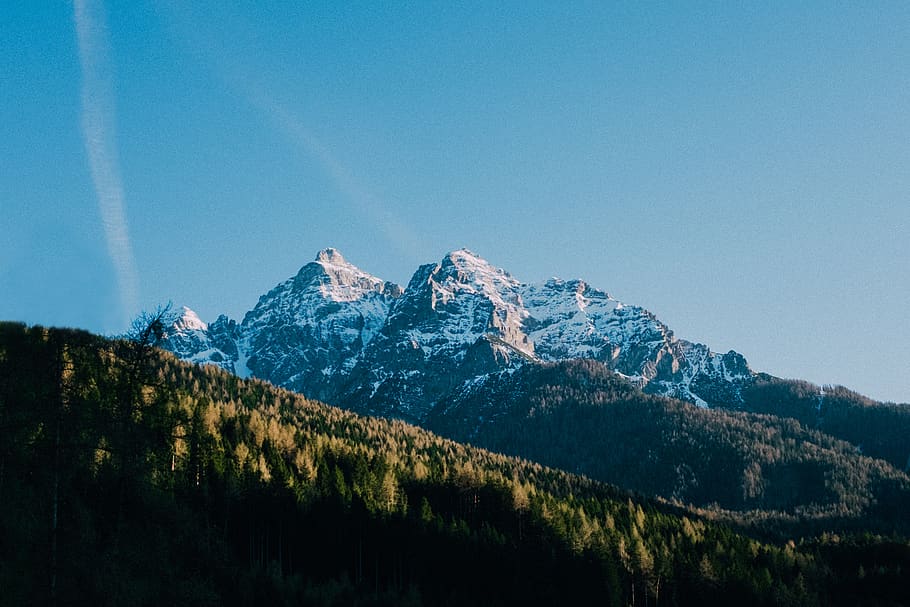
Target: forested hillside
(880,430)
(128,477)
(758,469)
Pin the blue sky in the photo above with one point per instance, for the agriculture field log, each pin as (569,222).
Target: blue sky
(741,171)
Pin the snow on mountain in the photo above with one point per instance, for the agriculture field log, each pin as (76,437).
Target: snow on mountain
(570,319)
(337,333)
(193,340)
(190,321)
(452,304)
(457,319)
(308,330)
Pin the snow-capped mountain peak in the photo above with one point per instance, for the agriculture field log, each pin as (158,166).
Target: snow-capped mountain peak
(309,329)
(462,271)
(338,333)
(331,255)
(189,321)
(337,279)
(194,340)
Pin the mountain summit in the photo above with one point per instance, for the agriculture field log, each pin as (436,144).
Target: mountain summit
(339,334)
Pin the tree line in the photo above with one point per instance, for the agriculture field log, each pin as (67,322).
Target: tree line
(129,477)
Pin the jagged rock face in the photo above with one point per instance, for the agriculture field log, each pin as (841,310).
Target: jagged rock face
(456,320)
(197,342)
(336,333)
(303,334)
(308,331)
(570,319)
(224,334)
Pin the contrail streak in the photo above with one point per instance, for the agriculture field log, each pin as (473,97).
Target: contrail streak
(98,131)
(396,231)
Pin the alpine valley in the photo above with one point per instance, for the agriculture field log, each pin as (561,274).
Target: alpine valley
(562,373)
(572,452)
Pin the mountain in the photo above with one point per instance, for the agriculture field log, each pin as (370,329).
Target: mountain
(303,334)
(337,333)
(309,330)
(564,374)
(214,343)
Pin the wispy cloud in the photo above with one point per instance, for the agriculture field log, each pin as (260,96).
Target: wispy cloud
(396,232)
(292,124)
(99,136)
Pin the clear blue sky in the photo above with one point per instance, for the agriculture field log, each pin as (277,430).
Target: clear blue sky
(743,172)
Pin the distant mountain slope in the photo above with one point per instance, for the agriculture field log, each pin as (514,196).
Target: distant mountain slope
(580,417)
(880,430)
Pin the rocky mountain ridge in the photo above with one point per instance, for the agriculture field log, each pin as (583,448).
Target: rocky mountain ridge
(339,334)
